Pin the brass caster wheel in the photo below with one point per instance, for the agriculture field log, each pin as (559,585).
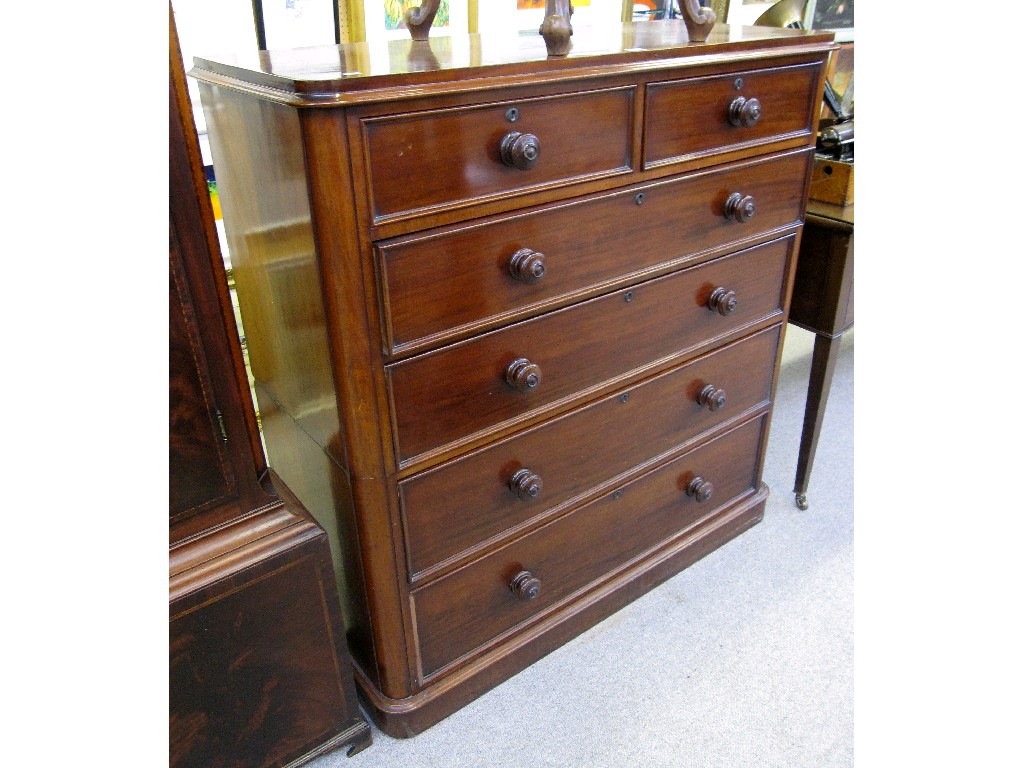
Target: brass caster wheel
(801,501)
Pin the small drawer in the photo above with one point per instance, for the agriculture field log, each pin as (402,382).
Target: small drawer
(424,161)
(464,277)
(703,116)
(472,606)
(526,476)
(503,377)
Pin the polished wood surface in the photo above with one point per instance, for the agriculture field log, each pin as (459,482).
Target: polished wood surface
(214,454)
(455,155)
(822,303)
(452,395)
(198,471)
(259,674)
(355,73)
(258,670)
(448,283)
(466,320)
(692,117)
(573,455)
(579,548)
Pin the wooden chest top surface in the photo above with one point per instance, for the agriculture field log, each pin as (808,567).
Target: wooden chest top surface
(329,75)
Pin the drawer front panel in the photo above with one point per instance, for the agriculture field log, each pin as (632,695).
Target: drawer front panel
(423,161)
(465,276)
(468,608)
(467,388)
(573,454)
(687,118)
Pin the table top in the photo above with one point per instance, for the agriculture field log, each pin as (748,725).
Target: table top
(829,213)
(338,73)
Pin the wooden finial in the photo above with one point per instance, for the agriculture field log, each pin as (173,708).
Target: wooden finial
(556,29)
(419,19)
(699,21)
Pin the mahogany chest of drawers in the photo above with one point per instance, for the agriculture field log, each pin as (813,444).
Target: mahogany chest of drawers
(515,322)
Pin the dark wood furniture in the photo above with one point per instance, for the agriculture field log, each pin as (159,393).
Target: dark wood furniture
(259,671)
(822,303)
(514,320)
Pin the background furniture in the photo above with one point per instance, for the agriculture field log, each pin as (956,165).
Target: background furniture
(259,672)
(822,303)
(514,322)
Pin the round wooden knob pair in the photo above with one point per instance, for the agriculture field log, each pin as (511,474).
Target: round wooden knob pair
(525,586)
(527,265)
(740,207)
(722,301)
(700,489)
(712,398)
(520,150)
(526,484)
(522,375)
(744,112)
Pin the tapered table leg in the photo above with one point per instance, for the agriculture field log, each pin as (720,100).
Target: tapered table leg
(823,365)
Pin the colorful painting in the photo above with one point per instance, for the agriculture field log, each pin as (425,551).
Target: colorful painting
(394,14)
(529,5)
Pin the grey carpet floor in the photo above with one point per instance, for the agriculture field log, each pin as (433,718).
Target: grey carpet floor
(743,659)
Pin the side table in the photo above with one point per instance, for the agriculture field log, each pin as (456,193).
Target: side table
(822,303)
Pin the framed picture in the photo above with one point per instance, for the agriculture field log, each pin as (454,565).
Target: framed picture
(834,15)
(830,14)
(385,19)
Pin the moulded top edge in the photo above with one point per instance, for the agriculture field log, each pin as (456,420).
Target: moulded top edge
(359,72)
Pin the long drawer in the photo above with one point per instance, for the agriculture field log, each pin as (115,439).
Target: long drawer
(465,277)
(459,391)
(422,161)
(533,473)
(691,118)
(475,604)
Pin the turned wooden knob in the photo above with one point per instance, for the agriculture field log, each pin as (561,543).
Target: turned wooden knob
(527,265)
(523,375)
(739,207)
(525,586)
(722,301)
(700,489)
(520,150)
(744,112)
(712,398)
(526,484)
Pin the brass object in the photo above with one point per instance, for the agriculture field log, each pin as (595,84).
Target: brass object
(556,28)
(699,21)
(419,19)
(788,14)
(721,9)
